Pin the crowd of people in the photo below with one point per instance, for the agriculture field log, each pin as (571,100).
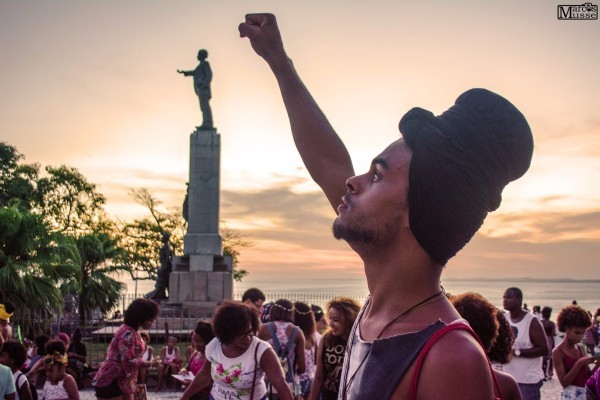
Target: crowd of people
(420,202)
(278,350)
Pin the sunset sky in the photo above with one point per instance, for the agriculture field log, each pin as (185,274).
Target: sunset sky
(93,84)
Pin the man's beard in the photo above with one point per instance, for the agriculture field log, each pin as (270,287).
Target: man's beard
(352,234)
(361,235)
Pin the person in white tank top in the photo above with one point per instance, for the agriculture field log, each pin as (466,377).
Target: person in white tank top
(171,361)
(530,346)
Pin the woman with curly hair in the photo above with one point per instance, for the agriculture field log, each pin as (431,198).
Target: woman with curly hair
(341,312)
(117,376)
(482,316)
(570,361)
(237,360)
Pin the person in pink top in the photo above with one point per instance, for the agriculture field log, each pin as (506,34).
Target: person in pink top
(570,360)
(118,374)
(203,334)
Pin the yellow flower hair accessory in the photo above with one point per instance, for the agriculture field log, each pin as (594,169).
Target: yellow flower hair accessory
(3,314)
(55,357)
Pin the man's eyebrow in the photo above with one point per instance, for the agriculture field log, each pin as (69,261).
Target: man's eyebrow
(380,161)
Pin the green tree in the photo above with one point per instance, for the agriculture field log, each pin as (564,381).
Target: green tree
(32,261)
(141,238)
(68,202)
(98,261)
(233,241)
(17,181)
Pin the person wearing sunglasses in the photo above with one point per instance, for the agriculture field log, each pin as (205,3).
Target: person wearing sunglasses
(237,360)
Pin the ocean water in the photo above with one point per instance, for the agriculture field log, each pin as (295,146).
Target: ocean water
(553,293)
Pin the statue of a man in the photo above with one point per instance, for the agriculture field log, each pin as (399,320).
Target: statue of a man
(202,77)
(162,274)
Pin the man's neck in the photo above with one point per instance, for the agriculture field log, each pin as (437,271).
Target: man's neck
(517,314)
(397,281)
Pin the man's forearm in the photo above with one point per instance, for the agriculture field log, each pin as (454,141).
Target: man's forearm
(321,149)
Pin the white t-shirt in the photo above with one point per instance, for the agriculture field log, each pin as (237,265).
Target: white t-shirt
(232,377)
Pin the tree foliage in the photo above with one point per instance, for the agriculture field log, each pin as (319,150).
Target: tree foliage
(68,202)
(17,181)
(97,263)
(33,262)
(233,241)
(141,238)
(55,239)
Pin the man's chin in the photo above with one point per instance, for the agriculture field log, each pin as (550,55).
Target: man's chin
(349,234)
(337,229)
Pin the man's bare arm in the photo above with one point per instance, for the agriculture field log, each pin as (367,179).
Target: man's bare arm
(321,149)
(538,339)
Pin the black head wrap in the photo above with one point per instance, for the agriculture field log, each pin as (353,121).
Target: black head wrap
(461,161)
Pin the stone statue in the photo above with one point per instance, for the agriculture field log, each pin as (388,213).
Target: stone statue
(202,77)
(162,274)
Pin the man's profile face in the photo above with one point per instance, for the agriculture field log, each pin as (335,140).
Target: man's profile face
(376,206)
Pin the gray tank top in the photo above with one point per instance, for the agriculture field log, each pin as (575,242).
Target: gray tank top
(384,366)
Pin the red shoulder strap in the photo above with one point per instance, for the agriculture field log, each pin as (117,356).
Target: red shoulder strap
(432,340)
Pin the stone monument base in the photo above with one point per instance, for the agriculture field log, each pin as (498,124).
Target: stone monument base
(196,292)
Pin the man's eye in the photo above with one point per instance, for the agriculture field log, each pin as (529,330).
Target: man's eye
(376,176)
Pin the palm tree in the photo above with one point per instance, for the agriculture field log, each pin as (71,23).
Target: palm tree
(32,260)
(95,284)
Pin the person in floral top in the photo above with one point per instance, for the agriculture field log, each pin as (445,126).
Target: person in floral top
(237,360)
(117,375)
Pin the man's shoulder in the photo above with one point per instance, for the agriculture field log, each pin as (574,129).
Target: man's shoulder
(457,360)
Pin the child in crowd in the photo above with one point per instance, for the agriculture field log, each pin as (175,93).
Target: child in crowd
(203,334)
(147,356)
(170,361)
(13,355)
(570,360)
(59,385)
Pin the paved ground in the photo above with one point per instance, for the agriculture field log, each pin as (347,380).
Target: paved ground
(550,391)
(88,394)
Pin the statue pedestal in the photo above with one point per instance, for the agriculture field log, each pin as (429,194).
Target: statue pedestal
(202,278)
